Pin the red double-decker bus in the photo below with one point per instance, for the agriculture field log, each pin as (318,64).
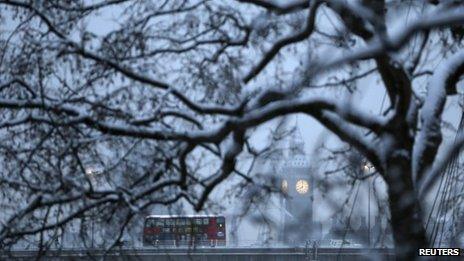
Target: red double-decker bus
(195,230)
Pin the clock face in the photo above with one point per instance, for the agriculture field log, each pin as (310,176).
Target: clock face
(302,186)
(284,186)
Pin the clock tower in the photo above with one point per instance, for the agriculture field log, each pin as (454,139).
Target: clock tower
(288,169)
(297,185)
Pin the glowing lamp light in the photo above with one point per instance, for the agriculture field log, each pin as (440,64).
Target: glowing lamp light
(368,168)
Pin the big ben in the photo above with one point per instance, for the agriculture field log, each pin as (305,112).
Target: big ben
(290,167)
(297,185)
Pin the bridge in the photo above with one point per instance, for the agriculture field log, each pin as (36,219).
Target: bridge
(206,254)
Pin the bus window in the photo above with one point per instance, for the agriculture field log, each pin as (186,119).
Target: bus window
(220,220)
(166,230)
(205,221)
(180,222)
(160,223)
(198,221)
(169,237)
(150,223)
(188,221)
(170,222)
(188,230)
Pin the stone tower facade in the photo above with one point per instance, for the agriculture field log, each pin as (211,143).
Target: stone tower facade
(297,185)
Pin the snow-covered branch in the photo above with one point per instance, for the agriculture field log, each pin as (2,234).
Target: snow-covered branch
(429,138)
(278,6)
(154,108)
(294,38)
(397,40)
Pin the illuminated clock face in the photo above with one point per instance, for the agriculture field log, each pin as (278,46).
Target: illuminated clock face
(302,186)
(284,186)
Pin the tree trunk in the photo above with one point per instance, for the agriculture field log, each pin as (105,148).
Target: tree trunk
(406,220)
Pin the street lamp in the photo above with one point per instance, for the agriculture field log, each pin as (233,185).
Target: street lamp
(92,172)
(368,169)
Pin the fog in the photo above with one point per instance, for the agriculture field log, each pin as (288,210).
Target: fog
(231,124)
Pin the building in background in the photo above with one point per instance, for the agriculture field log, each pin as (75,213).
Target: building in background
(288,169)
